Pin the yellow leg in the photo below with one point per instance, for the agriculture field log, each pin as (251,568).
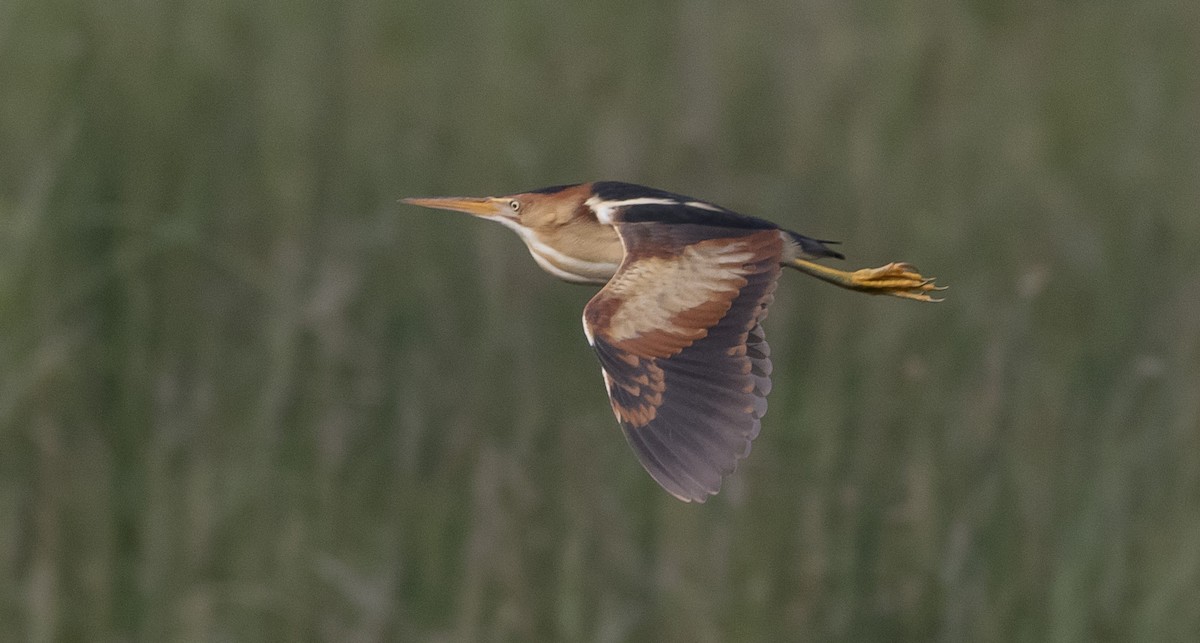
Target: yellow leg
(895,279)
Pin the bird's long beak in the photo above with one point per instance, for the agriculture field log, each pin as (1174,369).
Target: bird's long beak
(478,206)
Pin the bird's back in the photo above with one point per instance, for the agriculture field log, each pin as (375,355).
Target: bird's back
(651,205)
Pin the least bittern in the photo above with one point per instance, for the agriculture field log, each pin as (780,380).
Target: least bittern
(678,324)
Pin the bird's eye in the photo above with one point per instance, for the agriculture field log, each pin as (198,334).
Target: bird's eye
(514,205)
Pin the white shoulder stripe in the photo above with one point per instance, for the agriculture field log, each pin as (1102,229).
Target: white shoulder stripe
(704,206)
(604,209)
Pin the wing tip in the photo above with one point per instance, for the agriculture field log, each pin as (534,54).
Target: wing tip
(686,471)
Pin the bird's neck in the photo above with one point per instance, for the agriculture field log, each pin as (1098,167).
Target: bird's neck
(580,253)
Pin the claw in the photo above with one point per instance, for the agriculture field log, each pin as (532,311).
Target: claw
(897,279)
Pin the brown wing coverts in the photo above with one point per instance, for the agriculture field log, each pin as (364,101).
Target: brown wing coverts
(685,361)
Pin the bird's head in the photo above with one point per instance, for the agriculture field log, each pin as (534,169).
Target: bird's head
(487,207)
(549,207)
(557,225)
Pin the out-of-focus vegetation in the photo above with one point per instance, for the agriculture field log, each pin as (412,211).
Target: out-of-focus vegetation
(246,395)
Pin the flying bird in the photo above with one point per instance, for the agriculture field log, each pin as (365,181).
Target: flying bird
(678,324)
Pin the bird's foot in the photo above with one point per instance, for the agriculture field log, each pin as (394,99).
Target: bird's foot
(895,279)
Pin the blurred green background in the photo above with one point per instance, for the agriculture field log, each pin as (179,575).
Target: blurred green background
(247,395)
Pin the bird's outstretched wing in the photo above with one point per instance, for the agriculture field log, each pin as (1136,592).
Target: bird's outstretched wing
(685,361)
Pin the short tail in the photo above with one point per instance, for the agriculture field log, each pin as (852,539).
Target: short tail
(815,248)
